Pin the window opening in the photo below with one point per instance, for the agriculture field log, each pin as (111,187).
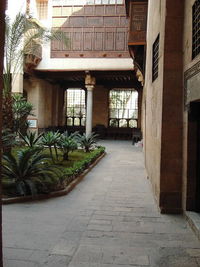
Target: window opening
(196,29)
(155,59)
(123,108)
(75,107)
(42,9)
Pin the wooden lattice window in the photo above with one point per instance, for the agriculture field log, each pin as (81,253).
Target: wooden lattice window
(75,108)
(42,9)
(123,108)
(196,29)
(155,58)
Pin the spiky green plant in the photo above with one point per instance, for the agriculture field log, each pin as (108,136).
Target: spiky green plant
(8,140)
(87,142)
(27,170)
(51,139)
(21,110)
(67,144)
(31,139)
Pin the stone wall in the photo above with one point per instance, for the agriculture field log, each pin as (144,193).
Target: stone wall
(48,101)
(164,102)
(152,96)
(100,106)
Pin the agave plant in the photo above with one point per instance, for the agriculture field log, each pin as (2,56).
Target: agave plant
(27,170)
(51,139)
(67,143)
(87,142)
(31,139)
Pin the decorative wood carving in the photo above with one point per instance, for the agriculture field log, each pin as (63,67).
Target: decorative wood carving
(93,31)
(138,22)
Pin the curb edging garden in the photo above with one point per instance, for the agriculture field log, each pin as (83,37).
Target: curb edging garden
(59,193)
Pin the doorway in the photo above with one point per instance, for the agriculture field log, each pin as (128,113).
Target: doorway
(193,165)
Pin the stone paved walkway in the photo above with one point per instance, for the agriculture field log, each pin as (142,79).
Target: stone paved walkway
(109,220)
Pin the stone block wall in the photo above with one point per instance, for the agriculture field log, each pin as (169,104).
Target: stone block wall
(100,106)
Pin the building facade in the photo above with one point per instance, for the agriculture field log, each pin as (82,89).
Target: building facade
(170,108)
(93,63)
(87,83)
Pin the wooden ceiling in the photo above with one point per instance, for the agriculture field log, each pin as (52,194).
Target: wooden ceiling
(109,79)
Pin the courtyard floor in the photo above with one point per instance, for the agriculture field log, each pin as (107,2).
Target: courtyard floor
(109,220)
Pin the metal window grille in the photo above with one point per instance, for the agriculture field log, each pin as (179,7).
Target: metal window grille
(75,115)
(196,29)
(123,108)
(42,8)
(155,58)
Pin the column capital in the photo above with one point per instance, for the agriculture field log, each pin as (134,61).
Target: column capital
(89,80)
(89,87)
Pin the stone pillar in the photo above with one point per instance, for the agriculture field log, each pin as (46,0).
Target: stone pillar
(89,85)
(17,83)
(89,109)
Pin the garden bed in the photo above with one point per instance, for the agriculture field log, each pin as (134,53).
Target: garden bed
(73,171)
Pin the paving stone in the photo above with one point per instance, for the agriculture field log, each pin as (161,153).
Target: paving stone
(64,247)
(17,254)
(100,227)
(57,261)
(176,257)
(89,254)
(20,263)
(109,220)
(134,256)
(101,222)
(198,261)
(195,252)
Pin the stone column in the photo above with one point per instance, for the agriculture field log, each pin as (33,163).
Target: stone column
(17,83)
(89,109)
(89,85)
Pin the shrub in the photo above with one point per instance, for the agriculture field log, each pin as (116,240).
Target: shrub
(51,139)
(87,142)
(28,170)
(31,139)
(67,143)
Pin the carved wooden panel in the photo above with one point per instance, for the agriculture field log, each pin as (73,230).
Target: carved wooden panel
(92,31)
(138,22)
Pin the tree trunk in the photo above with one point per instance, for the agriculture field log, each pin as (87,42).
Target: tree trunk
(66,156)
(7,112)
